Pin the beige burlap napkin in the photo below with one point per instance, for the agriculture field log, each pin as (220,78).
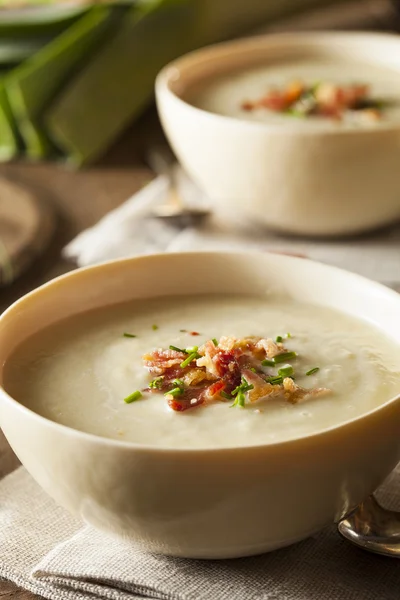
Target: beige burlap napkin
(128,231)
(48,552)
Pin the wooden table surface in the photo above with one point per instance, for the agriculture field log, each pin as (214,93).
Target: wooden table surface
(79,199)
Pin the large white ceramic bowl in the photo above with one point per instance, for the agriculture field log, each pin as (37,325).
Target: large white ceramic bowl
(217,503)
(298,180)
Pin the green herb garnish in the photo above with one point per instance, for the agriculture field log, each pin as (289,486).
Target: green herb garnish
(189,359)
(225,395)
(156,383)
(286,371)
(191,349)
(183,330)
(154,327)
(288,335)
(279,339)
(313,371)
(215,342)
(177,349)
(133,397)
(267,363)
(275,380)
(239,393)
(295,112)
(177,391)
(129,335)
(179,382)
(280,358)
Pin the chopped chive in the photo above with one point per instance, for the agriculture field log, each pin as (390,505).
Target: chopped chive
(279,339)
(183,330)
(239,400)
(275,380)
(253,370)
(154,327)
(215,341)
(246,386)
(133,397)
(189,359)
(288,335)
(313,371)
(268,363)
(191,349)
(177,349)
(225,395)
(156,383)
(300,114)
(179,382)
(177,391)
(239,393)
(280,358)
(129,335)
(286,371)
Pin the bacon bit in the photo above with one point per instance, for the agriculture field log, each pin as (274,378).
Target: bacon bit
(196,376)
(231,343)
(159,360)
(209,349)
(294,393)
(194,333)
(225,363)
(189,399)
(274,100)
(175,405)
(351,96)
(270,347)
(216,388)
(328,94)
(247,106)
(293,92)
(261,388)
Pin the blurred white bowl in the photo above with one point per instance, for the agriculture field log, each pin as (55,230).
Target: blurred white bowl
(301,180)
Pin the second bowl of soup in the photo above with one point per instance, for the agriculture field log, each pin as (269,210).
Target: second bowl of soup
(297,132)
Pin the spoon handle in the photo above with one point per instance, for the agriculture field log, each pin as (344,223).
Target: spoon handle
(373,528)
(162,162)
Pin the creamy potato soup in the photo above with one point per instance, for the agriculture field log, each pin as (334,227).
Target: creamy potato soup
(205,372)
(322,91)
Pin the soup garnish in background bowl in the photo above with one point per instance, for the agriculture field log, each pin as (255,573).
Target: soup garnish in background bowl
(188,494)
(305,166)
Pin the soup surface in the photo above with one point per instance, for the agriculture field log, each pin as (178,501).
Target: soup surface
(78,371)
(226,94)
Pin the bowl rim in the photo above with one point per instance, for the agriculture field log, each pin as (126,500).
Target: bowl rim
(319,38)
(251,255)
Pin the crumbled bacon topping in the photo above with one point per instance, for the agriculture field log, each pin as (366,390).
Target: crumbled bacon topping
(323,99)
(232,368)
(159,361)
(294,393)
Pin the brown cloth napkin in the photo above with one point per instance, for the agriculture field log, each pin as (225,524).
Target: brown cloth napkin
(48,552)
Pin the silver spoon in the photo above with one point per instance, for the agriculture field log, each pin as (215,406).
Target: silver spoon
(373,528)
(174,211)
